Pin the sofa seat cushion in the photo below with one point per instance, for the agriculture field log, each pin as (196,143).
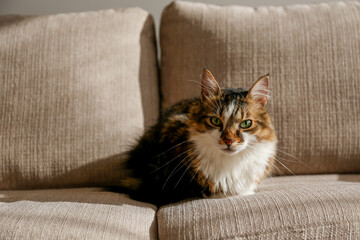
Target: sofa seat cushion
(83,213)
(292,207)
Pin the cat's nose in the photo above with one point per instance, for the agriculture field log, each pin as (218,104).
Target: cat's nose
(228,142)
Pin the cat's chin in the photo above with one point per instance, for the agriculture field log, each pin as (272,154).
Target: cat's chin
(233,150)
(230,151)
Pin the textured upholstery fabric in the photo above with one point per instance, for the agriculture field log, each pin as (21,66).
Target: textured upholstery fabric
(76,90)
(312,54)
(87,213)
(301,207)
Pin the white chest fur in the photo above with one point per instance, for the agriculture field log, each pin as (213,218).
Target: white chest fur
(233,174)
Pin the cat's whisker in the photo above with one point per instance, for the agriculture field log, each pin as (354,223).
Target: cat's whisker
(186,160)
(167,179)
(284,159)
(190,164)
(183,163)
(279,171)
(297,159)
(285,153)
(173,171)
(293,162)
(172,160)
(287,159)
(282,173)
(274,165)
(282,147)
(285,167)
(249,146)
(193,176)
(172,148)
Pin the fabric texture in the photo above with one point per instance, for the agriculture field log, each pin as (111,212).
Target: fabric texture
(76,90)
(290,207)
(86,213)
(312,54)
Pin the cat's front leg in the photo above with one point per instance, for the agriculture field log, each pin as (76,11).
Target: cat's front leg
(223,195)
(249,191)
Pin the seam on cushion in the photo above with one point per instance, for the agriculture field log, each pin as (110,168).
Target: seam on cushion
(157,224)
(159,82)
(291,229)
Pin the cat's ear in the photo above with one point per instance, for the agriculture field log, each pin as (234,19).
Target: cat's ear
(260,90)
(209,86)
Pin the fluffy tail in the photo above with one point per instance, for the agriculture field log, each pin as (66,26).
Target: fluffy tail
(118,176)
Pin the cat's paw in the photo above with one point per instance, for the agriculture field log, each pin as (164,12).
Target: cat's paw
(219,195)
(251,192)
(216,195)
(223,195)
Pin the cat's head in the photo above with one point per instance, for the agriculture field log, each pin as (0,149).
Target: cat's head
(232,119)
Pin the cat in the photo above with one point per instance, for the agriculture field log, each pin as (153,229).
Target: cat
(222,143)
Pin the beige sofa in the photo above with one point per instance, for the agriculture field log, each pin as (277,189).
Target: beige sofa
(76,90)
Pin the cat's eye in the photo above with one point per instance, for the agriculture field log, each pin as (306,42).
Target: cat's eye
(215,121)
(246,124)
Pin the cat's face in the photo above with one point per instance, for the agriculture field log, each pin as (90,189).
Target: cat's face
(230,120)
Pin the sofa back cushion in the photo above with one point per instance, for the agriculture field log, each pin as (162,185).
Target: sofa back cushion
(75,91)
(312,54)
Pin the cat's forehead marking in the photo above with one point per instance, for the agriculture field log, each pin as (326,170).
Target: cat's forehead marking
(229,111)
(236,117)
(233,105)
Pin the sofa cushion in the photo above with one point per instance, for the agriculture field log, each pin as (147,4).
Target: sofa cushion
(291,207)
(76,89)
(87,213)
(312,54)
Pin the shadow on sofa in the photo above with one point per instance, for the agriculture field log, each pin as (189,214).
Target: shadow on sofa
(348,178)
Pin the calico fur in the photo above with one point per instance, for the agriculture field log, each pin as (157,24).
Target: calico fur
(184,155)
